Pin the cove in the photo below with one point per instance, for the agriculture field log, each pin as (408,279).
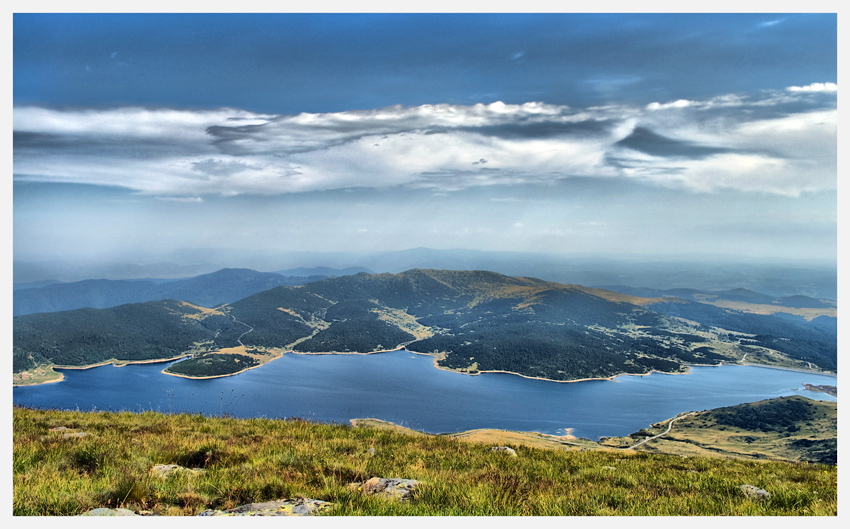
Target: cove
(407,389)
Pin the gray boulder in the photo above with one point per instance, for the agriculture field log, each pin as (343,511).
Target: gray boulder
(751,491)
(290,507)
(504,449)
(103,511)
(395,488)
(163,471)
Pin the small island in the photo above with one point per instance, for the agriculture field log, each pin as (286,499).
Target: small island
(221,363)
(829,390)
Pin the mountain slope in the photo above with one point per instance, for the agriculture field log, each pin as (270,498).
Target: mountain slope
(471,320)
(133,332)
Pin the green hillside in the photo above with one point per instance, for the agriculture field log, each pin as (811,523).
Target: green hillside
(790,428)
(66,463)
(472,320)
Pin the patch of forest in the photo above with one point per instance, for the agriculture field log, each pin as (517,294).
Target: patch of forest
(212,365)
(134,332)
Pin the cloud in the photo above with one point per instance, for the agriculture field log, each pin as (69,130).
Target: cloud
(648,142)
(748,142)
(681,103)
(193,200)
(814,87)
(770,23)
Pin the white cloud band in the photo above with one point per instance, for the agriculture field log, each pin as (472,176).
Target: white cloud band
(776,142)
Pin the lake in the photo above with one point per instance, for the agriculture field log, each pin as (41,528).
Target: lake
(407,389)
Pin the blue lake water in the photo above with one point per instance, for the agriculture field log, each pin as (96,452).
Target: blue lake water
(407,389)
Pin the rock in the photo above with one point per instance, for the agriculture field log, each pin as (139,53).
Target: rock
(504,450)
(371,451)
(74,434)
(163,471)
(387,487)
(290,507)
(754,492)
(609,468)
(59,429)
(103,511)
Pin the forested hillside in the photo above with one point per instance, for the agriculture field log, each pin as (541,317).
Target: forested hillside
(472,320)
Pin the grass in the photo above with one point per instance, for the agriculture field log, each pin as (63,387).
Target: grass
(253,460)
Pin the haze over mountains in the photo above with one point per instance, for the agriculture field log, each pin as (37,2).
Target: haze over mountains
(777,279)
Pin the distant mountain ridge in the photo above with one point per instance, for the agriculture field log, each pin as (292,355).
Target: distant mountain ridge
(736,294)
(207,290)
(323,271)
(814,279)
(471,320)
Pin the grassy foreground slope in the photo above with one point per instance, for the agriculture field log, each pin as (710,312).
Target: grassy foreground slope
(254,460)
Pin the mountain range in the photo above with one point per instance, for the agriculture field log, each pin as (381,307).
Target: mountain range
(813,279)
(470,321)
(207,290)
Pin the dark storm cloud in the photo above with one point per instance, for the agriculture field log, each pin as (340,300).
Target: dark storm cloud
(646,141)
(549,129)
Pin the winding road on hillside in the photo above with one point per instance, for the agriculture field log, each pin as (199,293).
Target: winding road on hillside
(244,333)
(669,427)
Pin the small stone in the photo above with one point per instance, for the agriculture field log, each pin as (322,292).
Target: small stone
(290,507)
(74,434)
(103,511)
(504,449)
(387,487)
(609,468)
(754,492)
(163,471)
(59,429)
(371,451)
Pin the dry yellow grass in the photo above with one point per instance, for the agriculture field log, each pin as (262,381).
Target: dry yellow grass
(490,436)
(202,312)
(754,308)
(404,321)
(39,375)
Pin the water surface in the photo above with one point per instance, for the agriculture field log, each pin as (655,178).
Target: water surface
(407,389)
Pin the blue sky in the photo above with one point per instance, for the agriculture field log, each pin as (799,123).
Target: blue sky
(136,135)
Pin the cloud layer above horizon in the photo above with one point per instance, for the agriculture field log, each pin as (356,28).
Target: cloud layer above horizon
(777,142)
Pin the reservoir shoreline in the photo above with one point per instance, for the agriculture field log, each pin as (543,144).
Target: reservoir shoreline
(122,363)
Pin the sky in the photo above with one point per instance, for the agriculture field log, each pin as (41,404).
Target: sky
(137,136)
